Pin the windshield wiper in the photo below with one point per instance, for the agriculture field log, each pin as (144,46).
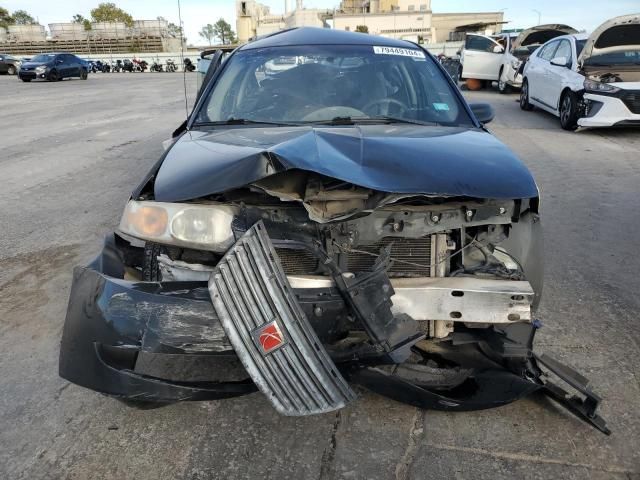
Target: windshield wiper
(381,119)
(240,121)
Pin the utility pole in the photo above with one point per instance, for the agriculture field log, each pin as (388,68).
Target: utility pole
(539,14)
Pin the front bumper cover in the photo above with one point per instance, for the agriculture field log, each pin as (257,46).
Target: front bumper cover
(112,323)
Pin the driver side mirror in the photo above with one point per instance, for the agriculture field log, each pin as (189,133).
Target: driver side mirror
(59,61)
(560,62)
(483,112)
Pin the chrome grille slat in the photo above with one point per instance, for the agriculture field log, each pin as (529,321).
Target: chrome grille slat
(249,290)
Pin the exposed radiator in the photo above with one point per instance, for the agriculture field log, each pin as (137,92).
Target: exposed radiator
(415,251)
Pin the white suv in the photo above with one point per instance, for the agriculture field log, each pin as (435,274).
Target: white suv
(499,57)
(588,80)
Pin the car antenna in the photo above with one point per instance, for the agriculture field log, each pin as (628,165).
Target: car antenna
(184,70)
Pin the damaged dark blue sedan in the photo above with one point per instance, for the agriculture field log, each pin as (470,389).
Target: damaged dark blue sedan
(332,213)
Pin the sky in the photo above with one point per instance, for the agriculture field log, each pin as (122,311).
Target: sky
(580,14)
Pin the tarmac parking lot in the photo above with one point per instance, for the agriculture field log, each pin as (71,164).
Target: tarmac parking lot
(72,151)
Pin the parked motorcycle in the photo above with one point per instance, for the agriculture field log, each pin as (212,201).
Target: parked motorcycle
(188,65)
(156,67)
(171,66)
(139,65)
(127,65)
(106,67)
(116,66)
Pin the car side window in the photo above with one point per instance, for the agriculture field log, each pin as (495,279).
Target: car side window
(564,50)
(547,52)
(479,43)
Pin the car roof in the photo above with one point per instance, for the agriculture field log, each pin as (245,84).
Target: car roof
(323,36)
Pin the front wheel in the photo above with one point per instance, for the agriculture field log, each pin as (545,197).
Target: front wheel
(84,75)
(569,111)
(524,96)
(11,70)
(53,76)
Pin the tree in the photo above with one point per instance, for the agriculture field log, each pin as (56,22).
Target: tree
(77,18)
(21,17)
(5,18)
(109,12)
(208,32)
(173,29)
(223,31)
(362,29)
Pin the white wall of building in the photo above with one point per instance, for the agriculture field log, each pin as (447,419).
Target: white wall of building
(407,25)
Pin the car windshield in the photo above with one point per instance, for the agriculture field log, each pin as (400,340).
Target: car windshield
(326,83)
(43,58)
(580,46)
(628,57)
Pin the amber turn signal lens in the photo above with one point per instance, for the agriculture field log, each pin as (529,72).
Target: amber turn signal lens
(149,221)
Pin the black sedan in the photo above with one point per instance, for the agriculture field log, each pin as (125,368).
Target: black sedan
(8,64)
(53,67)
(332,213)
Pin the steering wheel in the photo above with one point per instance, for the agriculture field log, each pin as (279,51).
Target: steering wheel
(385,101)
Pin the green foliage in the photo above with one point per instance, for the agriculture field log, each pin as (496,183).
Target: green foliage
(362,29)
(109,12)
(77,18)
(21,17)
(224,32)
(5,18)
(174,30)
(207,32)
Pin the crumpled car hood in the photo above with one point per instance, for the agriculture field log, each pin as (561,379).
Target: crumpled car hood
(437,161)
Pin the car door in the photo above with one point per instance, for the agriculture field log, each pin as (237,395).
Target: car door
(72,65)
(4,66)
(556,75)
(537,73)
(481,57)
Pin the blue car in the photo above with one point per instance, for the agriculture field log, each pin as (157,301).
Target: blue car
(333,212)
(53,67)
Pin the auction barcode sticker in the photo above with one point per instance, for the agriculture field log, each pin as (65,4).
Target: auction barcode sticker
(404,52)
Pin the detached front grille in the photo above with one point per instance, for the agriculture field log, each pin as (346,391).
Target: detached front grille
(631,99)
(415,251)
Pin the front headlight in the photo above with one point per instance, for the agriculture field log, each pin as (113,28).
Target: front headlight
(41,69)
(515,64)
(597,87)
(206,227)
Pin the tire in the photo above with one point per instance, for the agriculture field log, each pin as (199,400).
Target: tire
(84,75)
(11,70)
(53,76)
(503,87)
(150,267)
(569,111)
(524,96)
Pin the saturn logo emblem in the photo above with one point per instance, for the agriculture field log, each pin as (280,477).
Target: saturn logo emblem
(269,337)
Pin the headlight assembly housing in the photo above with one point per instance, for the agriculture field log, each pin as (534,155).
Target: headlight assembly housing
(41,69)
(599,87)
(201,226)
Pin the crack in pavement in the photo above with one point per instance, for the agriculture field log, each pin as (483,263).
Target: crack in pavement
(409,456)
(523,457)
(329,454)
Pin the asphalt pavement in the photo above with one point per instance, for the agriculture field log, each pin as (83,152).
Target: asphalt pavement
(70,153)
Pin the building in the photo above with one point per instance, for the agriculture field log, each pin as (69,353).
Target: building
(142,36)
(254,19)
(412,20)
